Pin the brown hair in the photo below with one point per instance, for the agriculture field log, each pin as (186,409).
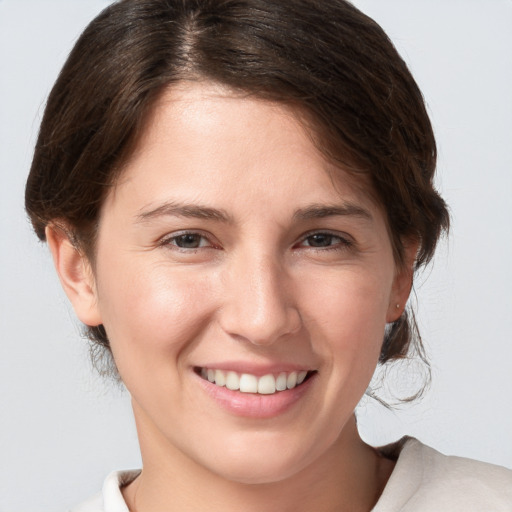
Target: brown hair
(326,59)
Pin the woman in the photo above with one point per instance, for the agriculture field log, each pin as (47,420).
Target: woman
(236,196)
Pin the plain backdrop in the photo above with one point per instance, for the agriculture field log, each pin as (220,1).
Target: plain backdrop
(62,429)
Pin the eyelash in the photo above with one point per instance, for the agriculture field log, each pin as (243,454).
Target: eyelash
(343,243)
(171,241)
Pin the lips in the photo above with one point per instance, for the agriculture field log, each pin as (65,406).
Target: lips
(254,392)
(267,384)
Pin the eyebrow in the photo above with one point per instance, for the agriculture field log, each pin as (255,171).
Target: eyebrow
(320,211)
(194,211)
(315,211)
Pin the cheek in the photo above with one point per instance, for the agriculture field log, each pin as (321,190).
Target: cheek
(346,313)
(348,301)
(151,311)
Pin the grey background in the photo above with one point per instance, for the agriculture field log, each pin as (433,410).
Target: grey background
(62,429)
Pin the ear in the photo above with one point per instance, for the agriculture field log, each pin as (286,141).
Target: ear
(402,283)
(75,274)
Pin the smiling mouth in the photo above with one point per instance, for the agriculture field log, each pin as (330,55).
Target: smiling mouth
(247,383)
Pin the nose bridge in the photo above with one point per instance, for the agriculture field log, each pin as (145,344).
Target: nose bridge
(260,304)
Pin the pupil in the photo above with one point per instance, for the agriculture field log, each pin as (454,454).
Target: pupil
(188,241)
(320,240)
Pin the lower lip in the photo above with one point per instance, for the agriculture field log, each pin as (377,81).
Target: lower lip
(253,405)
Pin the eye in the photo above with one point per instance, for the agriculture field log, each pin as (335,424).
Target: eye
(325,241)
(187,241)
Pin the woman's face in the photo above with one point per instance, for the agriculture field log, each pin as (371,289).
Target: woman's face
(230,250)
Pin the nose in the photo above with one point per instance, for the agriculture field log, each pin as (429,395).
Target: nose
(259,303)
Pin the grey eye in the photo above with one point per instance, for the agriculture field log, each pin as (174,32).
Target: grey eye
(188,241)
(321,240)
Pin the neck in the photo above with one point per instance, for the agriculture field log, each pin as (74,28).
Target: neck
(349,477)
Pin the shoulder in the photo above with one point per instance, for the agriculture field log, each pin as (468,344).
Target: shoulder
(94,504)
(110,499)
(426,480)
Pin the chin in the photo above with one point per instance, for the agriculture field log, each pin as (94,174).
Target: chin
(262,461)
(257,472)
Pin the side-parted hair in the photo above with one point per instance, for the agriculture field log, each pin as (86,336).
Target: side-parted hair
(324,58)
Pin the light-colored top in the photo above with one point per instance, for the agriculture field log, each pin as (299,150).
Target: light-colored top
(423,480)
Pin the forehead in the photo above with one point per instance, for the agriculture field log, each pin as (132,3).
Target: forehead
(201,139)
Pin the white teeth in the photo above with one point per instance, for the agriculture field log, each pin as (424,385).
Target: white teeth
(301,376)
(232,381)
(291,380)
(281,382)
(267,385)
(220,378)
(248,383)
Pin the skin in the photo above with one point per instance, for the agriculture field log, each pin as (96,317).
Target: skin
(272,281)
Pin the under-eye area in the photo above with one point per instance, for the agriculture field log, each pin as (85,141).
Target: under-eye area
(248,383)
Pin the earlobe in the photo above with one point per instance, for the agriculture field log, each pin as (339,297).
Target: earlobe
(75,275)
(402,284)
